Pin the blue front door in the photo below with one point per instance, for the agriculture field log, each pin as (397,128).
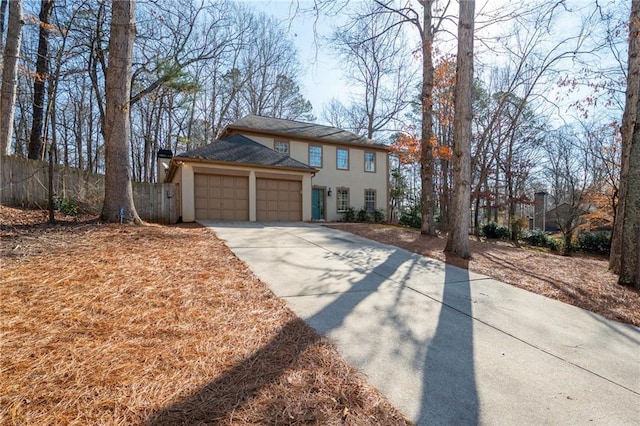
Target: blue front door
(317,204)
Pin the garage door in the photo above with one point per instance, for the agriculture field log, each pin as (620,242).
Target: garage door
(278,200)
(220,197)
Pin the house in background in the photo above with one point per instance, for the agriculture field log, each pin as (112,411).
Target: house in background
(267,169)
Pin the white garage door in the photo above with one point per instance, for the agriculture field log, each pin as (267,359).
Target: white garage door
(278,200)
(221,197)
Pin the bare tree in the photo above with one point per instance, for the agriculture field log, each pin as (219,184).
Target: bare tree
(378,62)
(458,238)
(568,169)
(36,145)
(427,25)
(10,75)
(118,195)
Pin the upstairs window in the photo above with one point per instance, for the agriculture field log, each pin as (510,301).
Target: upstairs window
(281,147)
(315,156)
(342,199)
(342,159)
(370,162)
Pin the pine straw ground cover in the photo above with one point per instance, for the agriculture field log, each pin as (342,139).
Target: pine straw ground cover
(109,324)
(583,281)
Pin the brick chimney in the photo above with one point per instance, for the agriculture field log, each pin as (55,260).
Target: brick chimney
(540,210)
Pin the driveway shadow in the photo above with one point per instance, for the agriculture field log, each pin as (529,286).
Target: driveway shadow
(449,392)
(446,364)
(212,403)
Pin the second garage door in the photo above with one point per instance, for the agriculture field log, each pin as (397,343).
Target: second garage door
(221,197)
(278,200)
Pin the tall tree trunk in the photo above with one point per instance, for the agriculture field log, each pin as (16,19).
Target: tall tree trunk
(458,239)
(630,253)
(427,168)
(118,193)
(627,230)
(629,122)
(10,75)
(36,149)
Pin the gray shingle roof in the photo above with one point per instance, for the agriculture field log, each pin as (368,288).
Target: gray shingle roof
(292,128)
(240,149)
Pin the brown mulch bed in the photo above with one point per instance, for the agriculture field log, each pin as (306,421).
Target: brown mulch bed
(583,281)
(118,324)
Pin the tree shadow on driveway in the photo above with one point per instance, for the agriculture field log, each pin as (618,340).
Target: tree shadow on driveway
(216,401)
(449,392)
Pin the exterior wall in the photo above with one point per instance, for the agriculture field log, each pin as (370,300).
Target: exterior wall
(185,178)
(329,176)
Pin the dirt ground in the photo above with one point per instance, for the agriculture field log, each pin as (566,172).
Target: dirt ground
(580,280)
(112,324)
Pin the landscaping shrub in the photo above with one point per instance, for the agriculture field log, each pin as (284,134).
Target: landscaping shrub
(540,238)
(595,242)
(537,238)
(349,215)
(363,215)
(493,230)
(378,215)
(68,206)
(411,217)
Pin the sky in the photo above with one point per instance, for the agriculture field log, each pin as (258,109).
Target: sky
(322,78)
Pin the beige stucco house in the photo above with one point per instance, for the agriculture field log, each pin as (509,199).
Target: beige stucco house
(266,169)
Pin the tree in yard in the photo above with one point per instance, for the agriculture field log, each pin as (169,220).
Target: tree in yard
(9,75)
(36,146)
(427,25)
(625,250)
(377,61)
(458,238)
(118,195)
(568,169)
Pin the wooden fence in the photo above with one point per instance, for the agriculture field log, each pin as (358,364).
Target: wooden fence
(25,183)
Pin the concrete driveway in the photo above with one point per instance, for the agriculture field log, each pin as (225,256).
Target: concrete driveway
(445,345)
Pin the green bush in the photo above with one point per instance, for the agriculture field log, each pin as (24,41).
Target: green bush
(68,206)
(595,242)
(363,215)
(377,215)
(537,238)
(349,215)
(540,238)
(493,230)
(412,217)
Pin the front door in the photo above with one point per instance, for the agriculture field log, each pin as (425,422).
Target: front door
(317,204)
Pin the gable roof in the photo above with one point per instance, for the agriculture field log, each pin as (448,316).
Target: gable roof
(242,150)
(298,129)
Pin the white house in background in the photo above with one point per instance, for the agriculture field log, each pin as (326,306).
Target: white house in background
(267,169)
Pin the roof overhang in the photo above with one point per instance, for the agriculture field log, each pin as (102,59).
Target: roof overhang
(232,129)
(176,163)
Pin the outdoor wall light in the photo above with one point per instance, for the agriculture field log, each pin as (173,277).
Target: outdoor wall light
(329,192)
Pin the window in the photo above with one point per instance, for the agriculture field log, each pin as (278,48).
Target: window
(370,162)
(342,159)
(369,200)
(281,147)
(315,156)
(342,199)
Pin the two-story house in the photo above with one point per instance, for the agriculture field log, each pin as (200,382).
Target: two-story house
(266,169)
